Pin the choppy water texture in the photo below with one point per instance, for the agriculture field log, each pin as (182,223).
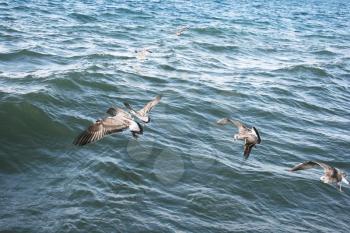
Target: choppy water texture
(282,66)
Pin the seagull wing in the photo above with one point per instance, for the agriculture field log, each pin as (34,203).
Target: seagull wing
(325,166)
(328,170)
(131,110)
(308,165)
(112,111)
(100,129)
(224,121)
(148,107)
(247,150)
(242,129)
(257,135)
(119,112)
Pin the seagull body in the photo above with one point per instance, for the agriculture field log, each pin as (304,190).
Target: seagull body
(331,175)
(143,114)
(117,122)
(251,136)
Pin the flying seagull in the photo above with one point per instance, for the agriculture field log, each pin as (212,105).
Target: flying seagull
(142,54)
(331,174)
(143,114)
(251,136)
(181,30)
(117,122)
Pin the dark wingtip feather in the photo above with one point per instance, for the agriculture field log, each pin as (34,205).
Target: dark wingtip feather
(257,133)
(78,140)
(246,156)
(247,150)
(84,138)
(75,142)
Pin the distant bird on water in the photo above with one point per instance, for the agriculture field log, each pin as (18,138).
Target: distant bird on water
(182,30)
(251,136)
(331,175)
(117,122)
(142,54)
(143,114)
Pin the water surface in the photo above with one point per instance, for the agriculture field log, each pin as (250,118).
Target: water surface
(282,66)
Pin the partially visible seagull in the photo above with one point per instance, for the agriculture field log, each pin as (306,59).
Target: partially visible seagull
(142,54)
(143,114)
(331,175)
(182,30)
(251,136)
(117,122)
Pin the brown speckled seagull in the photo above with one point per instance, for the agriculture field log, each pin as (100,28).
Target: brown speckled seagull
(143,114)
(331,175)
(251,136)
(117,122)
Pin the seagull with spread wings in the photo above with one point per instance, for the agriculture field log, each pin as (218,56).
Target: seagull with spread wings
(331,175)
(117,122)
(251,136)
(143,114)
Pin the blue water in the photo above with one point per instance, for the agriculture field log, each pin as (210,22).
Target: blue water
(282,66)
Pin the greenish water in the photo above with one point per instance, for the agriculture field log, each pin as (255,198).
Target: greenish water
(282,66)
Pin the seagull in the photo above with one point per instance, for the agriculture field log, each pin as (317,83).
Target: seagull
(142,54)
(143,114)
(331,174)
(251,136)
(117,122)
(181,30)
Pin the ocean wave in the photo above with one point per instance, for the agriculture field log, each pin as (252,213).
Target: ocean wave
(83,18)
(325,52)
(64,84)
(23,53)
(129,11)
(21,89)
(218,48)
(318,71)
(215,31)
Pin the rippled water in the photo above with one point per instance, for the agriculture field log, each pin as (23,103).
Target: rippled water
(282,66)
